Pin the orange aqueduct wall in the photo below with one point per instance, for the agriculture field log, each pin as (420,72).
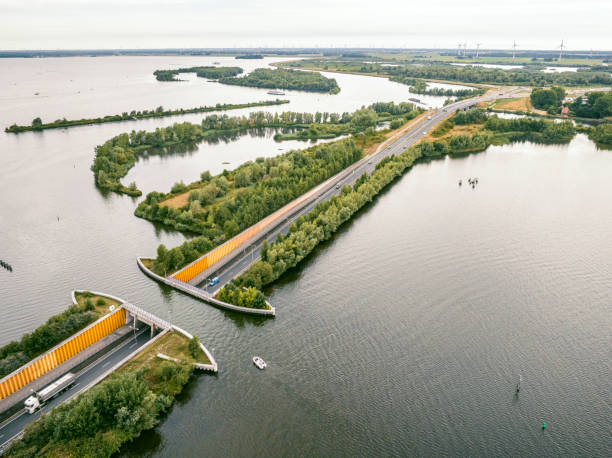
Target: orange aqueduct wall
(67,350)
(195,268)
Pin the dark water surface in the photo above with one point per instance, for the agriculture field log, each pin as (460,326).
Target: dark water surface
(403,336)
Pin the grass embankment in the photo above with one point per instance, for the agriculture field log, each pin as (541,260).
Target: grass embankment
(101,303)
(518,104)
(133,399)
(159,112)
(57,328)
(173,344)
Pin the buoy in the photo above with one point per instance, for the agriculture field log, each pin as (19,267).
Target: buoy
(543,425)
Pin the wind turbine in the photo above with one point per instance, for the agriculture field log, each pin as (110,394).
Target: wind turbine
(514,45)
(561,50)
(477,47)
(459,49)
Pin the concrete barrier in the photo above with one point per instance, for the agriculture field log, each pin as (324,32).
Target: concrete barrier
(203,295)
(61,352)
(213,364)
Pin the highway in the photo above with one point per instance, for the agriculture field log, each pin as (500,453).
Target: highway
(250,252)
(14,426)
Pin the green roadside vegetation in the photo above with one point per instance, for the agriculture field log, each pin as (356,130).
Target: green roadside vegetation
(158,112)
(59,327)
(131,400)
(594,105)
(321,223)
(286,79)
(453,73)
(202,72)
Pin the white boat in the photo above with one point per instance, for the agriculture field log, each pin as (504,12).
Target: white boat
(260,363)
(276,93)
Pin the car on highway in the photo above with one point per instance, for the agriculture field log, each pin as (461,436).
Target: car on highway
(214,281)
(337,186)
(429,117)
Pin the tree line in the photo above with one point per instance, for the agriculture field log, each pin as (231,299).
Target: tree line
(158,112)
(595,105)
(358,121)
(57,328)
(285,79)
(469,74)
(202,72)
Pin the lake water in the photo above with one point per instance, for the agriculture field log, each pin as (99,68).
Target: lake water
(404,335)
(501,66)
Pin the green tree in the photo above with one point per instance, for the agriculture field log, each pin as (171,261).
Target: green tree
(194,347)
(37,124)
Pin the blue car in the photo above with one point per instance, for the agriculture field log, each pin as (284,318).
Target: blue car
(214,281)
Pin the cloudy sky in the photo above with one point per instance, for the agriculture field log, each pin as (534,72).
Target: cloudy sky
(81,24)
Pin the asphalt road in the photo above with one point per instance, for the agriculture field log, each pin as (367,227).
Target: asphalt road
(15,425)
(250,253)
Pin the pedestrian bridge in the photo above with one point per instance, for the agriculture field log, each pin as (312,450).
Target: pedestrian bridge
(146,317)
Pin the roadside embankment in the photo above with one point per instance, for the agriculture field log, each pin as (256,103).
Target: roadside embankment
(203,295)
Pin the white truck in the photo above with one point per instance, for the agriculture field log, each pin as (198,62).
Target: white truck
(38,399)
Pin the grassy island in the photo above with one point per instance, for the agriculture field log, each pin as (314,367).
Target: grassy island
(286,79)
(202,72)
(59,327)
(116,411)
(158,112)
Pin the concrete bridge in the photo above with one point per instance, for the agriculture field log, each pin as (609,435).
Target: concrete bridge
(143,316)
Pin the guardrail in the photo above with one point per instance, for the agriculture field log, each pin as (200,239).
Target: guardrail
(203,295)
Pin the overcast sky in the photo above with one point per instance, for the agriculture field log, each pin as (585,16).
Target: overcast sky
(82,24)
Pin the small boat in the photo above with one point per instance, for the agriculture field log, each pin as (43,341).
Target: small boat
(518,385)
(276,93)
(260,363)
